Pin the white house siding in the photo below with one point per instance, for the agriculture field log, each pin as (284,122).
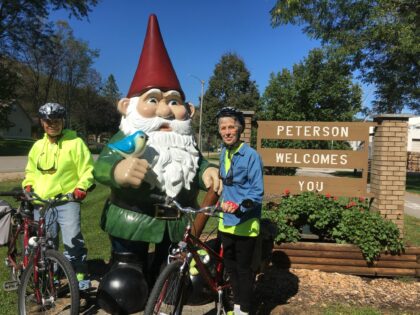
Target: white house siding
(22,125)
(413,142)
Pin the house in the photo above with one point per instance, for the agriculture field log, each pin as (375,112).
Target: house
(413,137)
(22,124)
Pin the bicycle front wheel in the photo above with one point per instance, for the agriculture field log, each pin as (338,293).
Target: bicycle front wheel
(56,290)
(169,292)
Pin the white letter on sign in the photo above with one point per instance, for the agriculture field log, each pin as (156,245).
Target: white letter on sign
(311,186)
(301,182)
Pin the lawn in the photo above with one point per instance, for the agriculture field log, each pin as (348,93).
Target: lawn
(411,230)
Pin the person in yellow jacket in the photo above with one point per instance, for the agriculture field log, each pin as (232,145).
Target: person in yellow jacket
(60,162)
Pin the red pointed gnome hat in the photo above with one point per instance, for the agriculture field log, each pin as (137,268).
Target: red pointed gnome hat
(155,68)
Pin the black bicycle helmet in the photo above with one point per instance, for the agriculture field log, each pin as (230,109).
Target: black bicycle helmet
(123,290)
(52,111)
(231,112)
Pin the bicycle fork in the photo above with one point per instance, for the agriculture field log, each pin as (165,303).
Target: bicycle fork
(220,310)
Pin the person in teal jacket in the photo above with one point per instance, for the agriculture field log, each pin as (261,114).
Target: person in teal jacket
(171,165)
(241,170)
(61,163)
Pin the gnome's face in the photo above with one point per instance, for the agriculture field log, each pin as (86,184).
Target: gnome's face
(154,110)
(167,105)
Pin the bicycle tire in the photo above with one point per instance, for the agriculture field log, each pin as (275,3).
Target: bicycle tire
(58,287)
(168,293)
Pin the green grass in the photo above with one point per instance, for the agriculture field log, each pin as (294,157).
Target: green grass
(411,230)
(349,310)
(12,147)
(8,300)
(342,309)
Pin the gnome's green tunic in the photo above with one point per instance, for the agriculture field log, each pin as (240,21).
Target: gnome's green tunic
(129,212)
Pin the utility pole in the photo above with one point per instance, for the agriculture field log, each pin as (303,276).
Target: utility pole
(202,82)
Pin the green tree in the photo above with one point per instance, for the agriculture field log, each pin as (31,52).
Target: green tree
(8,79)
(42,57)
(230,85)
(318,89)
(21,23)
(20,19)
(77,60)
(103,116)
(110,90)
(378,38)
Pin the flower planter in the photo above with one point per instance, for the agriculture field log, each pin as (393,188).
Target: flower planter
(344,258)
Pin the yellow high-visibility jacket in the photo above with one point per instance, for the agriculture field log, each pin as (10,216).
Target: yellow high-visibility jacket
(59,168)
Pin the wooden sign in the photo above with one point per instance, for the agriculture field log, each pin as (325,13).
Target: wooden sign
(319,159)
(335,186)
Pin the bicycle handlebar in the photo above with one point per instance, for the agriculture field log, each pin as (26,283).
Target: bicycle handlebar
(23,195)
(171,202)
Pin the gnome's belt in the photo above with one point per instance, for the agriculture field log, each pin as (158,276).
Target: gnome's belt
(156,211)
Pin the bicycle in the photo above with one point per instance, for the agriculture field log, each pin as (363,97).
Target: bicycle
(44,278)
(171,290)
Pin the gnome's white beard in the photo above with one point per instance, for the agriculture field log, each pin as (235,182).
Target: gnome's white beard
(172,155)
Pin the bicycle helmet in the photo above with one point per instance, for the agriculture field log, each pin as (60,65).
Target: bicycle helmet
(123,290)
(231,112)
(52,111)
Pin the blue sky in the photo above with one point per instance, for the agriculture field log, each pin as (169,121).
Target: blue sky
(196,34)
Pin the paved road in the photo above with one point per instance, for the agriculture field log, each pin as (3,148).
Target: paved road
(412,204)
(12,167)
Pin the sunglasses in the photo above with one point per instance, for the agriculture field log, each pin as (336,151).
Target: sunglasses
(228,180)
(42,165)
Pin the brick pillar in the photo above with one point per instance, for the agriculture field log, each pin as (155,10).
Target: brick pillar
(388,170)
(246,135)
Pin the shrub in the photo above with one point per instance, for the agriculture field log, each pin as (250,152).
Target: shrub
(342,220)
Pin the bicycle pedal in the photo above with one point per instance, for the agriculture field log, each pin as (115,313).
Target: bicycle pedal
(11,285)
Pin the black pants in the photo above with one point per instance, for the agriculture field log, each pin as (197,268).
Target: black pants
(238,253)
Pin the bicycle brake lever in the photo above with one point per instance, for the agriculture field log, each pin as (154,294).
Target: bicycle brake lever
(70,197)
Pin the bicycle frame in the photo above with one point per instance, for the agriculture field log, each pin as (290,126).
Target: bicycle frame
(215,283)
(187,250)
(34,245)
(25,226)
